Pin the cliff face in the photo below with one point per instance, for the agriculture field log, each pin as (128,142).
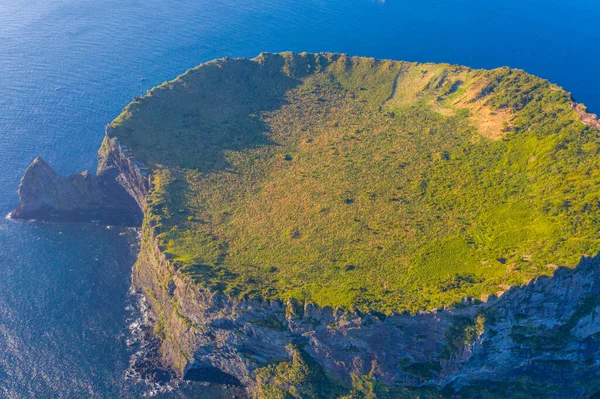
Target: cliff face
(545,332)
(116,163)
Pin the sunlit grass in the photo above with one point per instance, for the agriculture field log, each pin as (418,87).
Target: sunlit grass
(374,185)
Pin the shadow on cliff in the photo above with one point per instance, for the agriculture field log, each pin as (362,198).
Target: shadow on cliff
(541,339)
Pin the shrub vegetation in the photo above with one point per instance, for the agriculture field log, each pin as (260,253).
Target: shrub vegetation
(365,184)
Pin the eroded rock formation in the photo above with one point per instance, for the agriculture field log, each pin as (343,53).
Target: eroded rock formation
(103,198)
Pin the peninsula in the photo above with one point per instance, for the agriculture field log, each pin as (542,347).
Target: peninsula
(326,226)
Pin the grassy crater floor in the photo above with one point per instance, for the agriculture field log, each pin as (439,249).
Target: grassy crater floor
(365,184)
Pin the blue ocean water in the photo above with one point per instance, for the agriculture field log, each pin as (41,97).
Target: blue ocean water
(67,67)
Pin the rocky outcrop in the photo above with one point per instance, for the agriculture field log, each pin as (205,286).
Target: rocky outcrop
(107,197)
(546,331)
(586,117)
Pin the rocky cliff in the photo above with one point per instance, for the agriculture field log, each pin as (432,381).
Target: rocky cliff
(108,197)
(544,335)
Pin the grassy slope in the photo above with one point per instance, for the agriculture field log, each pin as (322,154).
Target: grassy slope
(365,184)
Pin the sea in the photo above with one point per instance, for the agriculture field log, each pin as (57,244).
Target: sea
(67,68)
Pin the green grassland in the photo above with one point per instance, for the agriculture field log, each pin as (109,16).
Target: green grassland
(365,184)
